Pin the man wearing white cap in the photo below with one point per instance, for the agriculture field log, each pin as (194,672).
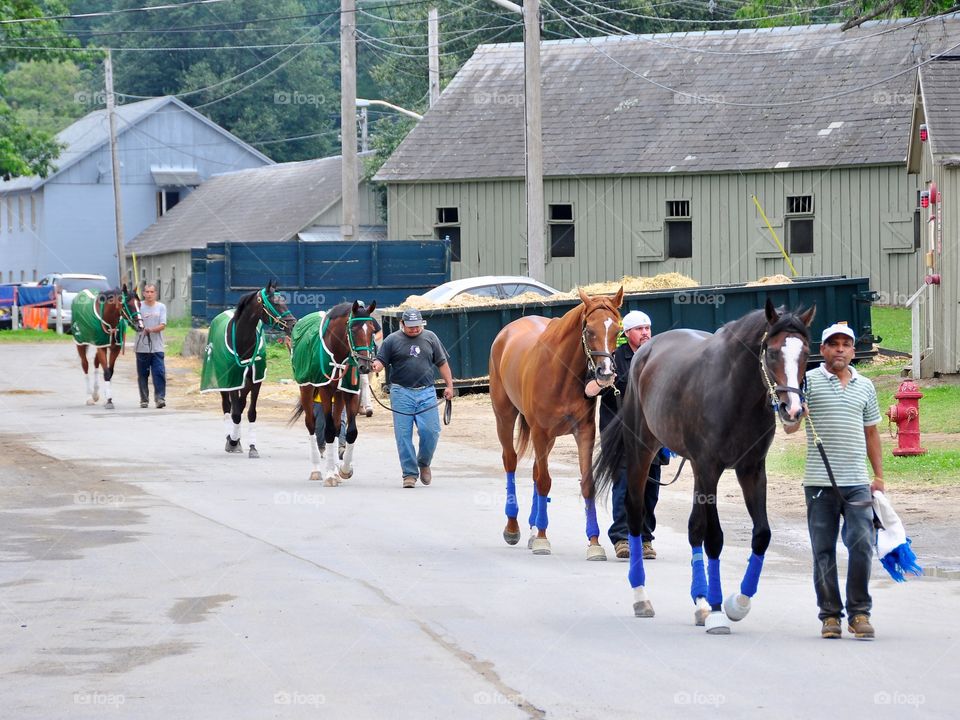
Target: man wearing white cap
(842,406)
(636,328)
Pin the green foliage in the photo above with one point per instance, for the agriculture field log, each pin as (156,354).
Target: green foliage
(48,96)
(893,325)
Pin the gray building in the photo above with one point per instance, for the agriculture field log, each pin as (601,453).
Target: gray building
(286,201)
(934,159)
(65,222)
(661,150)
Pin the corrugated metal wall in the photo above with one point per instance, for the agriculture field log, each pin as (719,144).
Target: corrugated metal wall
(172,273)
(863,225)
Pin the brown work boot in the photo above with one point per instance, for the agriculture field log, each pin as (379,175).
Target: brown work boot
(831,629)
(622,549)
(648,552)
(861,628)
(409,481)
(425,475)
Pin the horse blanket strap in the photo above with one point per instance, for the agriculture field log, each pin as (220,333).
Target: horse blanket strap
(314,364)
(87,327)
(223,369)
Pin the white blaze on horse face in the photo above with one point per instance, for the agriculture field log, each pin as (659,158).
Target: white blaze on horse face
(606,365)
(792,348)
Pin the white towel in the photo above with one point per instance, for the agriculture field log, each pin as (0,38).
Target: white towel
(893,545)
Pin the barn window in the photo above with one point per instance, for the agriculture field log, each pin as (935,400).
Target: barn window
(447,227)
(166,200)
(9,214)
(33,214)
(799,222)
(20,209)
(172,290)
(679,229)
(563,239)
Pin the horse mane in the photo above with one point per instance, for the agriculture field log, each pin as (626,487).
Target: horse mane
(244,301)
(339,310)
(558,331)
(750,328)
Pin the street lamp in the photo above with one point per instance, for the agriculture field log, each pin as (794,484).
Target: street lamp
(364,104)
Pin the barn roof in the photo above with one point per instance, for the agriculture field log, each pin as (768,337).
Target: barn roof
(273,202)
(940,82)
(682,102)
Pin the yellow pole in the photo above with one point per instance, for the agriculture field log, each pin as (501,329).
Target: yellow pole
(136,278)
(774,234)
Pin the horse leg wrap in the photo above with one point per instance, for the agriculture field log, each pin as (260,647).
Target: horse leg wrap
(714,590)
(642,607)
(106,390)
(751,578)
(698,585)
(314,454)
(590,508)
(234,431)
(512,507)
(227,424)
(636,575)
(533,507)
(346,466)
(541,504)
(251,434)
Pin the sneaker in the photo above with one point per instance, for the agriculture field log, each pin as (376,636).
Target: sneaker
(409,481)
(143,403)
(161,403)
(622,549)
(648,552)
(831,629)
(425,475)
(861,628)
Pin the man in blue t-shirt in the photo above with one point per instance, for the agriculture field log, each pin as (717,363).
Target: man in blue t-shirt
(414,355)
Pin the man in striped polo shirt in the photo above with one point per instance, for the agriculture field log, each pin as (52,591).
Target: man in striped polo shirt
(841,405)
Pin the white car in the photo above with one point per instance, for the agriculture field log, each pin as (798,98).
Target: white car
(503,287)
(68,285)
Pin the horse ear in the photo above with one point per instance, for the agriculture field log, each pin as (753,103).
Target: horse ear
(618,298)
(584,298)
(808,316)
(772,315)
(272,286)
(356,307)
(371,307)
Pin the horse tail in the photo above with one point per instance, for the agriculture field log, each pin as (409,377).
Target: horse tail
(295,415)
(523,437)
(612,457)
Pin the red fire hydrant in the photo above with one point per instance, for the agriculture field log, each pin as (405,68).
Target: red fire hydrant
(906,415)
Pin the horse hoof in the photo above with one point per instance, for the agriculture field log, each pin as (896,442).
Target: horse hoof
(596,552)
(96,396)
(91,401)
(512,538)
(253,452)
(331,481)
(315,475)
(344,475)
(643,609)
(533,536)
(736,606)
(368,412)
(717,623)
(701,613)
(540,546)
(108,405)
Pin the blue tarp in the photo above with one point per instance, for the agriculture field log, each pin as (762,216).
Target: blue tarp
(27,295)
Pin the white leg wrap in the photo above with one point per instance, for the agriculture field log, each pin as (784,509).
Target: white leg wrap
(640,594)
(314,453)
(331,459)
(251,434)
(227,424)
(106,390)
(345,464)
(86,382)
(234,431)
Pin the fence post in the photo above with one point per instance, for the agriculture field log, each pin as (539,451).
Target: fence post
(15,312)
(58,293)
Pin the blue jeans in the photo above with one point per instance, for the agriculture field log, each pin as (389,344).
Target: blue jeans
(619,531)
(824,511)
(148,363)
(411,400)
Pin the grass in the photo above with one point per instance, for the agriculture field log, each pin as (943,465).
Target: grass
(23,336)
(174,334)
(893,325)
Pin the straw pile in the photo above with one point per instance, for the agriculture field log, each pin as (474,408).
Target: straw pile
(771,280)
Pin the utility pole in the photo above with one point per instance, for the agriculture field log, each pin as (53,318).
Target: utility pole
(536,257)
(348,118)
(433,53)
(115,160)
(364,141)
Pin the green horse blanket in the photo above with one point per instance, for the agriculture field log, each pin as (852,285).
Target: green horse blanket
(312,362)
(222,368)
(86,325)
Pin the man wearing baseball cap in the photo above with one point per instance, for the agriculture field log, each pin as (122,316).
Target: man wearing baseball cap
(414,356)
(637,329)
(842,405)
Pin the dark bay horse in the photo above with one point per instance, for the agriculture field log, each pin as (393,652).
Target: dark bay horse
(98,323)
(713,399)
(235,361)
(538,369)
(330,352)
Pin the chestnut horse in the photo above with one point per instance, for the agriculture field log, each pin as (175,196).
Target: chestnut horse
(98,323)
(235,361)
(330,352)
(713,399)
(538,369)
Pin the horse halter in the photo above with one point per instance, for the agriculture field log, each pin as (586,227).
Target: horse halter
(591,354)
(274,316)
(772,389)
(355,350)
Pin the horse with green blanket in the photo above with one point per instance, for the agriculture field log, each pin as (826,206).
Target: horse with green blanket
(330,352)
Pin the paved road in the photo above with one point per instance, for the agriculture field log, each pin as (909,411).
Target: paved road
(147,574)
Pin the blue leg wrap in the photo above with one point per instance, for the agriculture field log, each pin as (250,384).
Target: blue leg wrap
(714,591)
(593,528)
(636,575)
(540,510)
(752,576)
(512,508)
(533,508)
(698,586)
